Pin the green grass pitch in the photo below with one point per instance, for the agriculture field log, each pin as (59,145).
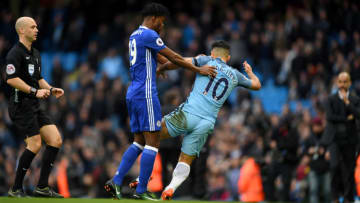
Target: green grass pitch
(82,200)
(86,200)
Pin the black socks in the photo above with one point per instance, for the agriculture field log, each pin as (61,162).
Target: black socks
(24,164)
(47,164)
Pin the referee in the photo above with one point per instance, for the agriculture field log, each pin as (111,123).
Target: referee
(23,74)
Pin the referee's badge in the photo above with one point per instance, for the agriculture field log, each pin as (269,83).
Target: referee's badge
(31,69)
(10,69)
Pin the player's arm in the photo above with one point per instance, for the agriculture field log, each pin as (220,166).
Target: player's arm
(13,64)
(197,61)
(161,59)
(170,66)
(253,82)
(180,61)
(160,71)
(43,84)
(19,84)
(58,92)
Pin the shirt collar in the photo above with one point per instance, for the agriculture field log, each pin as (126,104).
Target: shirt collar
(144,27)
(347,95)
(219,59)
(23,46)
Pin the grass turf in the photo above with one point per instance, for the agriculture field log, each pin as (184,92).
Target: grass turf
(86,200)
(79,200)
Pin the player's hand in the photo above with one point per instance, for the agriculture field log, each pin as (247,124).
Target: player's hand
(247,67)
(208,71)
(57,92)
(160,72)
(350,117)
(42,93)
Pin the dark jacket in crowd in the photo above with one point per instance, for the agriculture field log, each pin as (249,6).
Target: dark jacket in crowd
(338,128)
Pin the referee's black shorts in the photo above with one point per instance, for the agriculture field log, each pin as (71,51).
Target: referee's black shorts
(28,118)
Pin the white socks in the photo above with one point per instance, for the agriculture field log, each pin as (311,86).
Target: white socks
(180,174)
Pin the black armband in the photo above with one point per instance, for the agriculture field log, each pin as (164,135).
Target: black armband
(33,91)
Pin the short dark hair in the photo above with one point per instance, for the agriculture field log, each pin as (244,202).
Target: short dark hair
(154,9)
(220,44)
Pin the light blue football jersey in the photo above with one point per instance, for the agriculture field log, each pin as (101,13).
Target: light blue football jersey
(209,94)
(144,44)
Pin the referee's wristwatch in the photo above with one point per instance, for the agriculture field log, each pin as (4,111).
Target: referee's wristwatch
(33,91)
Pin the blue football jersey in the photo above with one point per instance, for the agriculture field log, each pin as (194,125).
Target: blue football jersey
(209,94)
(144,44)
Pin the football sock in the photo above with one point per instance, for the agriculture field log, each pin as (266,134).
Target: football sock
(181,172)
(24,164)
(127,161)
(47,164)
(146,167)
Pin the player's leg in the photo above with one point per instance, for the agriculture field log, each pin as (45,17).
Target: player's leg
(113,186)
(33,143)
(33,146)
(174,124)
(150,126)
(180,174)
(51,136)
(191,146)
(147,160)
(164,132)
(25,125)
(129,157)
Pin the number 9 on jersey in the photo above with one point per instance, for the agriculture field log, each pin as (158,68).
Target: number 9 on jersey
(132,51)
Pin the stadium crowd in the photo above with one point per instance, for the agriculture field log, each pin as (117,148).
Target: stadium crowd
(297,45)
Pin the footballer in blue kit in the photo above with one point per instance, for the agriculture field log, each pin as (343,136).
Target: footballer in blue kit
(142,97)
(195,118)
(146,49)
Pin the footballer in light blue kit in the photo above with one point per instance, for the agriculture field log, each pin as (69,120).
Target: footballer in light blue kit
(195,118)
(146,49)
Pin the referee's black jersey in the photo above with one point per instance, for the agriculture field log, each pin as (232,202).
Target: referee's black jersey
(25,64)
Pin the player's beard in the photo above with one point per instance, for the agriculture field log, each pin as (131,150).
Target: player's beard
(159,27)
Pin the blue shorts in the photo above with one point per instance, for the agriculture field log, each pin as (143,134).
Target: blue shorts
(194,128)
(145,114)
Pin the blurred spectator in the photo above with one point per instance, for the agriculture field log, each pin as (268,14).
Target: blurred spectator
(57,73)
(319,175)
(112,66)
(250,183)
(284,142)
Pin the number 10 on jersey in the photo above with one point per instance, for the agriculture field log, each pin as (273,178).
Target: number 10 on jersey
(214,96)
(132,51)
